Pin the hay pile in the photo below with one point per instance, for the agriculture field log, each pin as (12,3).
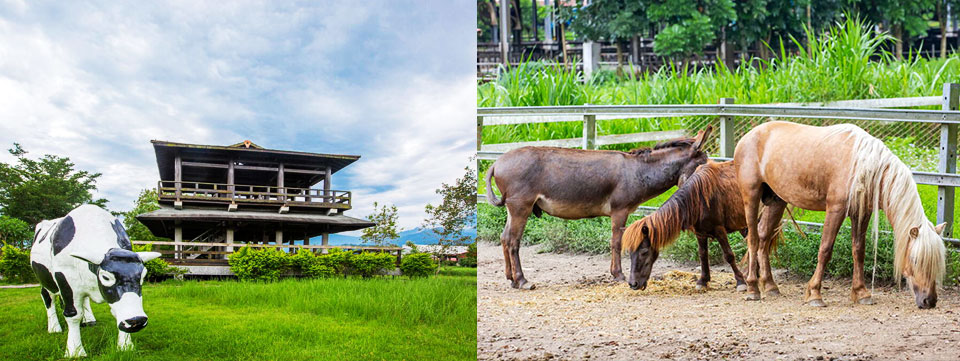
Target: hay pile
(685,283)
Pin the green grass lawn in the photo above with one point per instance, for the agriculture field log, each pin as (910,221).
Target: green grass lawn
(386,318)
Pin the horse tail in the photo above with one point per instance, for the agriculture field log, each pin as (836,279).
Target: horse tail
(492,197)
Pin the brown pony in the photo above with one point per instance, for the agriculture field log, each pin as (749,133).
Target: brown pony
(707,203)
(846,172)
(574,184)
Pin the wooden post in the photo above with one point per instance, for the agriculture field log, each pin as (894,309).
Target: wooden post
(229,241)
(177,177)
(178,237)
(948,158)
(324,241)
(727,137)
(280,183)
(505,32)
(548,24)
(327,177)
(279,239)
(591,58)
(589,131)
(230,182)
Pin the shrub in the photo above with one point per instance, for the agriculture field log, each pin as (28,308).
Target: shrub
(337,260)
(417,265)
(310,264)
(15,232)
(158,269)
(469,262)
(368,264)
(258,265)
(15,265)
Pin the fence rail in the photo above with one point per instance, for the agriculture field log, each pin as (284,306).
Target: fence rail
(232,193)
(946,119)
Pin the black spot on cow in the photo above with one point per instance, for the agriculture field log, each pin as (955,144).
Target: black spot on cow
(46,279)
(66,294)
(122,240)
(126,267)
(64,234)
(47,300)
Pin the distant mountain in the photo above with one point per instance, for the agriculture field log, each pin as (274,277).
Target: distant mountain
(417,236)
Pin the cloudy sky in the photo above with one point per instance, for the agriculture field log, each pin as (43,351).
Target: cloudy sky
(392,81)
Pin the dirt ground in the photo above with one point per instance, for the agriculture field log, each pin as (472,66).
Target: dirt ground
(577,312)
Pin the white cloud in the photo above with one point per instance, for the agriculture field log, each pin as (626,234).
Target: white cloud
(391,81)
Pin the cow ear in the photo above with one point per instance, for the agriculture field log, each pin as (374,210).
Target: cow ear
(939,228)
(89,257)
(148,256)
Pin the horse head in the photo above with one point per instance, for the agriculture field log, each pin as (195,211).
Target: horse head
(924,265)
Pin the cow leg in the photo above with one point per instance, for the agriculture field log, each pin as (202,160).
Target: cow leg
(517,214)
(53,321)
(704,252)
(124,343)
(831,226)
(88,318)
(73,318)
(731,260)
(618,220)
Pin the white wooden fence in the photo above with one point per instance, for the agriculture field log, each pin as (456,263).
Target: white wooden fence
(948,118)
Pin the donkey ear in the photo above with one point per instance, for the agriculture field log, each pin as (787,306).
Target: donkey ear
(914,232)
(89,257)
(940,227)
(702,137)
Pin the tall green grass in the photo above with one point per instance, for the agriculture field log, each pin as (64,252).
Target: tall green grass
(315,319)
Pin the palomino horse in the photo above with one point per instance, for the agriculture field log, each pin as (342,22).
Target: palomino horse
(707,203)
(574,184)
(846,172)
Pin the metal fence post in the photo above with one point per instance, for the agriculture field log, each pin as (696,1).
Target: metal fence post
(727,139)
(590,131)
(947,158)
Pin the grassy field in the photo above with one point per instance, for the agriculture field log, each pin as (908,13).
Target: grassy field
(317,319)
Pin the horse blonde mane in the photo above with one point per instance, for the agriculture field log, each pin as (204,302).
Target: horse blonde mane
(681,211)
(879,180)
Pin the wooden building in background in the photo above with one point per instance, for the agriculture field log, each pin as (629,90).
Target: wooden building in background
(215,199)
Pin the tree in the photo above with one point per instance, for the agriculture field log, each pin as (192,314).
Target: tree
(612,20)
(456,211)
(386,228)
(15,232)
(47,188)
(145,203)
(689,26)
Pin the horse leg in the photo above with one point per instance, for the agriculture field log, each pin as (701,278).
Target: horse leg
(831,226)
(731,260)
(618,220)
(512,234)
(858,235)
(751,202)
(505,244)
(769,222)
(704,254)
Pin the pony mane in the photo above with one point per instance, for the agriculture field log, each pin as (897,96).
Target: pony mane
(880,180)
(674,143)
(681,211)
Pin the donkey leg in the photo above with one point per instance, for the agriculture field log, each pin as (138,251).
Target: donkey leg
(505,244)
(831,226)
(769,222)
(731,260)
(704,254)
(518,220)
(858,235)
(618,220)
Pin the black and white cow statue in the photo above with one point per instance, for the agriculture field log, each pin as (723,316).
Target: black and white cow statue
(87,256)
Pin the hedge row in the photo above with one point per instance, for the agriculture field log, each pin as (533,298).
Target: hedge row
(268,264)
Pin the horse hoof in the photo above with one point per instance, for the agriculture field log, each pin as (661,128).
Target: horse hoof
(88,324)
(866,301)
(773,293)
(619,278)
(700,287)
(752,297)
(524,285)
(742,288)
(816,303)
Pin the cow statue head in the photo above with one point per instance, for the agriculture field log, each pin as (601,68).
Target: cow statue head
(120,273)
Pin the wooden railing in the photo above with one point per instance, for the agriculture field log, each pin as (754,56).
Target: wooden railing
(239,193)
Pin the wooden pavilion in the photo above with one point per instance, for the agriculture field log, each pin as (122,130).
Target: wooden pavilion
(215,199)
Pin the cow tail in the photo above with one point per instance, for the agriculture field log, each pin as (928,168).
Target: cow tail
(492,197)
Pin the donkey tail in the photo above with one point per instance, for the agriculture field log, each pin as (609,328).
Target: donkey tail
(492,197)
